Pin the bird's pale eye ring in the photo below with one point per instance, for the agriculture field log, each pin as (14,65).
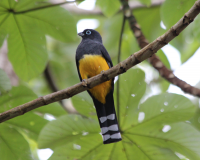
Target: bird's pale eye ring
(88,32)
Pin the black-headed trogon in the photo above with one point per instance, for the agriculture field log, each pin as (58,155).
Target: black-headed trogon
(91,59)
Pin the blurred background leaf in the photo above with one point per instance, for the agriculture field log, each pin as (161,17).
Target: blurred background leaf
(165,126)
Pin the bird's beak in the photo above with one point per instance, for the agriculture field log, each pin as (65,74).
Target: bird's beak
(81,34)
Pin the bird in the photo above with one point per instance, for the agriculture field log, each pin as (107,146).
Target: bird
(92,59)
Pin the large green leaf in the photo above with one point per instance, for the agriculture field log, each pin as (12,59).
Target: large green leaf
(27,47)
(155,137)
(27,28)
(56,22)
(54,109)
(149,21)
(84,105)
(13,145)
(5,84)
(17,96)
(132,89)
(109,8)
(30,123)
(172,11)
(65,129)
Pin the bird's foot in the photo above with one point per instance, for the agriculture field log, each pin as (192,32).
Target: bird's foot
(84,82)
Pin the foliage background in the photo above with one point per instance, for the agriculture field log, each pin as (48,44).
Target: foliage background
(163,126)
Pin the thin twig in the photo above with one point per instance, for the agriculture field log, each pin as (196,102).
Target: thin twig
(97,10)
(51,83)
(41,7)
(120,68)
(154,60)
(118,61)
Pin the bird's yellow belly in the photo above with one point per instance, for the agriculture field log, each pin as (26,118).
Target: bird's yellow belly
(92,65)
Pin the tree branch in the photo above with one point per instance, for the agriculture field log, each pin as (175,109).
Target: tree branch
(52,85)
(120,68)
(154,60)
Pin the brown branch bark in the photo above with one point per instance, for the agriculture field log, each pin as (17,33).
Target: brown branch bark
(120,68)
(154,60)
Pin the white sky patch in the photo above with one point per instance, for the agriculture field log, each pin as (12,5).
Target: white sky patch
(173,56)
(44,154)
(87,4)
(141,116)
(188,72)
(162,25)
(87,24)
(166,128)
(49,117)
(76,146)
(181,156)
(116,79)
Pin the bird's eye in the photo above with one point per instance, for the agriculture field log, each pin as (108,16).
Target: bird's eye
(88,32)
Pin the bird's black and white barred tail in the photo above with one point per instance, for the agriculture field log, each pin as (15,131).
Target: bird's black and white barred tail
(108,120)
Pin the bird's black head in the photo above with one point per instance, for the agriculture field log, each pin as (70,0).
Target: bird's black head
(90,34)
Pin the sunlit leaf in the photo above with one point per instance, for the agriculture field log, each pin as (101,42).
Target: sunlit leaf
(26,23)
(56,22)
(30,123)
(84,105)
(27,48)
(13,145)
(54,109)
(65,129)
(132,88)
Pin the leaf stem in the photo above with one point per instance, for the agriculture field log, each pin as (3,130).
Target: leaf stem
(118,60)
(41,7)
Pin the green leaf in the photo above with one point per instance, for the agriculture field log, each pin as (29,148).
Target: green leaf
(4,5)
(143,139)
(167,108)
(5,84)
(163,58)
(17,96)
(66,129)
(54,109)
(27,46)
(84,105)
(30,123)
(149,20)
(13,145)
(132,89)
(56,22)
(172,11)
(189,51)
(109,8)
(3,27)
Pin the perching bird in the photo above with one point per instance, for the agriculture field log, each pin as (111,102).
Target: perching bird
(91,59)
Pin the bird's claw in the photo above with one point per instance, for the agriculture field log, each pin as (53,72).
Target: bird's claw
(84,82)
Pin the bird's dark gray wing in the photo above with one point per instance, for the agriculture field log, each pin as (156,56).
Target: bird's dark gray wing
(106,55)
